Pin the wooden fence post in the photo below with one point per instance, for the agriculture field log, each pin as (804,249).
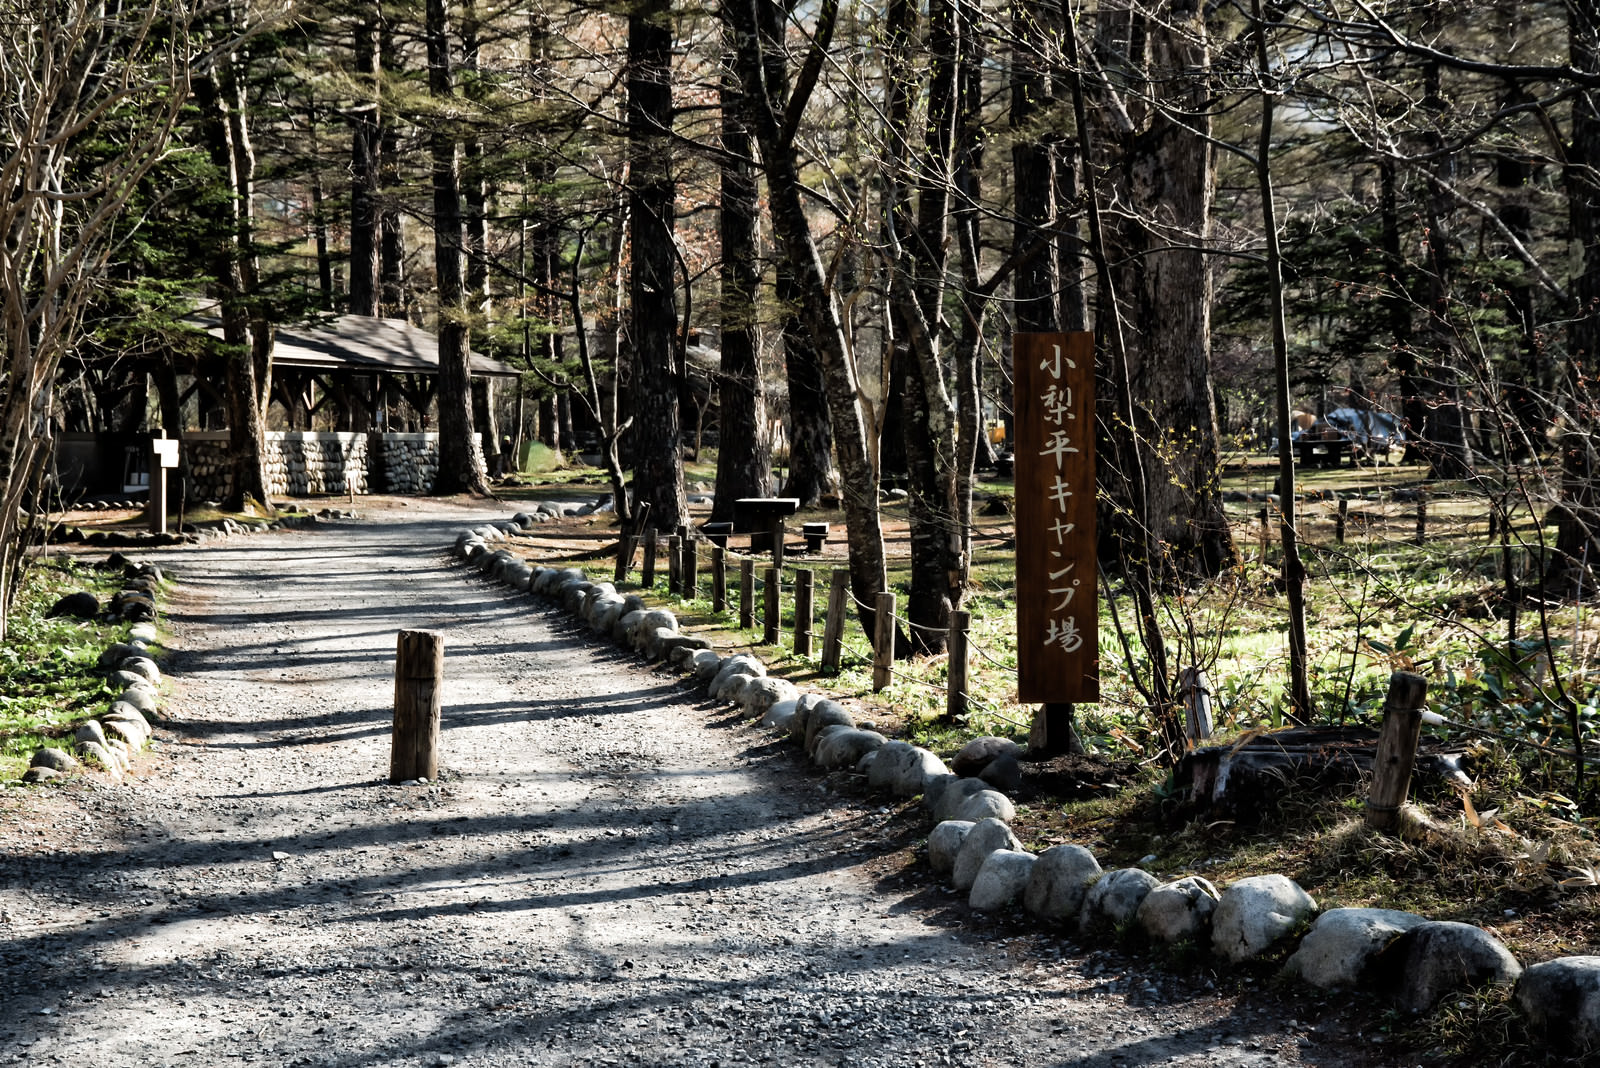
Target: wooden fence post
(777,543)
(1339,522)
(647,567)
(1422,519)
(882,641)
(833,628)
(628,544)
(418,672)
(674,563)
(769,634)
(747,593)
(1397,748)
(719,578)
(958,676)
(804,580)
(691,568)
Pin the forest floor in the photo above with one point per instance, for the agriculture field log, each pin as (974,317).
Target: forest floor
(608,871)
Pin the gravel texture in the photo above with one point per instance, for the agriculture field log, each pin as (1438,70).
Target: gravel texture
(610,871)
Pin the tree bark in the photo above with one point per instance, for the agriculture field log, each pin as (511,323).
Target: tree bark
(744,455)
(653,322)
(460,464)
(1164,171)
(765,79)
(366,134)
(810,421)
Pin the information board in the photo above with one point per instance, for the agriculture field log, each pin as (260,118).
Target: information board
(1057,606)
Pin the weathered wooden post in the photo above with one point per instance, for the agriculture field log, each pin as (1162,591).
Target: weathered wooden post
(777,542)
(647,569)
(628,545)
(1397,749)
(719,578)
(1422,518)
(747,593)
(804,580)
(882,641)
(833,628)
(1339,522)
(958,677)
(691,568)
(769,633)
(674,564)
(418,673)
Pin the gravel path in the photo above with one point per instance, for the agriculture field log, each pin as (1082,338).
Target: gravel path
(609,871)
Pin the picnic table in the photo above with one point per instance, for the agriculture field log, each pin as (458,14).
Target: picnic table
(762,518)
(1323,452)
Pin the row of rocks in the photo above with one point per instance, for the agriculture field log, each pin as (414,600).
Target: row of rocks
(109,741)
(1414,960)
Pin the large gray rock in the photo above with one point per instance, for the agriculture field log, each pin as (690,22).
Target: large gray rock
(104,757)
(679,642)
(649,621)
(604,613)
(704,664)
(727,688)
(1561,999)
(739,663)
(655,643)
(1114,900)
(134,731)
(917,771)
(1179,911)
(40,775)
(886,766)
(825,714)
(141,696)
(1004,773)
(985,804)
(764,692)
(1059,882)
(622,630)
(142,666)
(91,732)
(944,844)
(1255,913)
(55,759)
(843,747)
(1001,880)
(1439,957)
(944,796)
(983,839)
(115,654)
(980,753)
(779,716)
(1343,943)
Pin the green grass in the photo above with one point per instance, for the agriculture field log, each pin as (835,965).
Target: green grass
(49,681)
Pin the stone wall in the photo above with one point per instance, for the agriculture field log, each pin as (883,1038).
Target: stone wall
(302,463)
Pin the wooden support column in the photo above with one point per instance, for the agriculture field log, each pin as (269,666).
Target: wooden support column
(418,675)
(1397,749)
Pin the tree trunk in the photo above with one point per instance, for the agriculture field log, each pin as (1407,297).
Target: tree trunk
(392,254)
(810,422)
(366,133)
(763,74)
(1161,473)
(460,464)
(1577,548)
(653,325)
(744,456)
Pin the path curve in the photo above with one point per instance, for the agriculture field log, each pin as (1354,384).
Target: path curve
(610,871)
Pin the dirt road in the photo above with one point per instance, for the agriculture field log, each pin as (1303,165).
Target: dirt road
(610,871)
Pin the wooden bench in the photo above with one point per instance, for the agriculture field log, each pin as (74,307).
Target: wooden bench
(816,535)
(1323,453)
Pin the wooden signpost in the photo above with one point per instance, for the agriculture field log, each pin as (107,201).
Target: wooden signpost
(163,457)
(1057,607)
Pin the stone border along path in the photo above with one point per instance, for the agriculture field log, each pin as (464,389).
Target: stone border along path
(1415,961)
(599,877)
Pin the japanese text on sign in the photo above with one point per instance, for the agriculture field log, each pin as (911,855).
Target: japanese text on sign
(1057,609)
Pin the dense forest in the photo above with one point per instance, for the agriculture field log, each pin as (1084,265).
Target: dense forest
(1380,206)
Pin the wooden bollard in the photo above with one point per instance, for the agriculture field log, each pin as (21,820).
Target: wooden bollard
(674,564)
(833,626)
(1340,520)
(719,578)
(418,674)
(769,633)
(958,676)
(882,641)
(647,569)
(804,580)
(777,542)
(691,568)
(1397,749)
(747,593)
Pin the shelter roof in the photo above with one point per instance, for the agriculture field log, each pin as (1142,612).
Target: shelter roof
(364,345)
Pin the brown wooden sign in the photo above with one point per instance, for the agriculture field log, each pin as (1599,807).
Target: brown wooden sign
(1057,609)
